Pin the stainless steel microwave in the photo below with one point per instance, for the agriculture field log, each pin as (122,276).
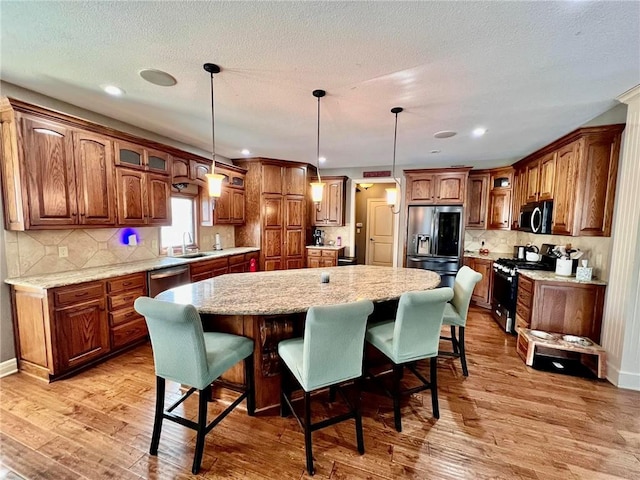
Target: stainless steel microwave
(536,217)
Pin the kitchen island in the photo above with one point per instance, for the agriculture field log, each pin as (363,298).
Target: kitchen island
(271,306)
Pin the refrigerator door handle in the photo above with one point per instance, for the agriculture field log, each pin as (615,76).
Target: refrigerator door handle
(435,245)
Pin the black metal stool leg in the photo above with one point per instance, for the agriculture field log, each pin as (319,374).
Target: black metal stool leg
(202,427)
(463,353)
(285,392)
(307,432)
(248,378)
(332,393)
(433,381)
(358,415)
(157,423)
(454,340)
(397,376)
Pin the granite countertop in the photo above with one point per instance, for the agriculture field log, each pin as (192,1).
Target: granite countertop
(490,256)
(72,277)
(542,275)
(326,247)
(294,291)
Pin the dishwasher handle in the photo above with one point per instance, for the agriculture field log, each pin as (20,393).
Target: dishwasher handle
(168,273)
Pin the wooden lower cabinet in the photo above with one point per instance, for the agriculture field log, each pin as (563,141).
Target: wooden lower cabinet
(209,268)
(482,292)
(561,307)
(126,325)
(320,257)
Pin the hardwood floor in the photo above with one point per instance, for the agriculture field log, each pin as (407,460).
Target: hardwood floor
(504,421)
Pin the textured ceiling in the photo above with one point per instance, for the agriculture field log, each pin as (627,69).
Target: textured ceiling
(529,72)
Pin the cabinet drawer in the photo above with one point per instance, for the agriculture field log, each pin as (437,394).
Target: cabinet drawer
(128,333)
(524,312)
(522,347)
(524,297)
(123,316)
(331,254)
(208,266)
(314,252)
(125,299)
(525,284)
(249,256)
(236,259)
(521,322)
(78,293)
(239,268)
(130,282)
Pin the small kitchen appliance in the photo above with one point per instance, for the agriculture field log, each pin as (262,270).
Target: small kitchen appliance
(519,251)
(318,237)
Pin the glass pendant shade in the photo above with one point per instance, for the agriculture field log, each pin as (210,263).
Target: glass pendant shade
(317,189)
(214,182)
(392,196)
(366,185)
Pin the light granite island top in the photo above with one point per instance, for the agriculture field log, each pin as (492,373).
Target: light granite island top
(73,277)
(294,291)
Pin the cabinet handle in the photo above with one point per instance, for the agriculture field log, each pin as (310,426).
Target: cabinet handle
(126,299)
(81,294)
(126,284)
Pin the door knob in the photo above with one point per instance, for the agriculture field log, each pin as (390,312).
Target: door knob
(372,239)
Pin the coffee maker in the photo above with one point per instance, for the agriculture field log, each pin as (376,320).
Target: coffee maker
(318,240)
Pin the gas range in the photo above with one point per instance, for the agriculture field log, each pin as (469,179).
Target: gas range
(505,288)
(510,266)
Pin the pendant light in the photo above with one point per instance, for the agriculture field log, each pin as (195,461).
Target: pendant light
(214,181)
(392,193)
(318,187)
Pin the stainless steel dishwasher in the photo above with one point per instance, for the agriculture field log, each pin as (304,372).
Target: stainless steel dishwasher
(165,278)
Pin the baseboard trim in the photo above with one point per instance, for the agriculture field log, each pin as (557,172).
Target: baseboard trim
(622,379)
(8,367)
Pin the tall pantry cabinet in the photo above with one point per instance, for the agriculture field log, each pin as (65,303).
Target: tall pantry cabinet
(275,212)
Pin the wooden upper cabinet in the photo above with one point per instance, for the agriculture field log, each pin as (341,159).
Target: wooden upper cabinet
(131,155)
(441,187)
(272,178)
(159,199)
(330,212)
(144,198)
(477,196)
(132,204)
(190,170)
(451,188)
(532,176)
(295,180)
(95,179)
(50,170)
(230,207)
(547,176)
(565,180)
(422,188)
(499,209)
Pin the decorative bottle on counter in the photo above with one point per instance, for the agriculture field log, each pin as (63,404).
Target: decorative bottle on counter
(339,241)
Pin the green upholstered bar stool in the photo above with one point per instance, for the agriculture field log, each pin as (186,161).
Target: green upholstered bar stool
(455,313)
(183,353)
(413,335)
(329,355)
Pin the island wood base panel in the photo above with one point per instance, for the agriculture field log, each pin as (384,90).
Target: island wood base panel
(505,420)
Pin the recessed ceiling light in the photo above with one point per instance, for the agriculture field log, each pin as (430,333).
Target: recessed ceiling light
(322,159)
(245,151)
(435,151)
(113,90)
(478,132)
(445,134)
(158,77)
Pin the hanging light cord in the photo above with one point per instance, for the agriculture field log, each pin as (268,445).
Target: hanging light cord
(318,143)
(213,123)
(396,111)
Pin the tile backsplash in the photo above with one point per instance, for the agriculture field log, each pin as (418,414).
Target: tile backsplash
(36,252)
(596,249)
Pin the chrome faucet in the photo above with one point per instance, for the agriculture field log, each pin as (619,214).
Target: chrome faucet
(184,242)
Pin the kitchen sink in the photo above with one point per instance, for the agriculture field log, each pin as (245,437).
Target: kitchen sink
(194,255)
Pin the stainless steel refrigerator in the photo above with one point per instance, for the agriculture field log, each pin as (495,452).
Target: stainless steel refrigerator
(435,240)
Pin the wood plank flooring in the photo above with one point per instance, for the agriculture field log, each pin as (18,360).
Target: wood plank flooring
(505,421)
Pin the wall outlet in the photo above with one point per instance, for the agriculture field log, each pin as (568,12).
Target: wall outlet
(63,251)
(154,245)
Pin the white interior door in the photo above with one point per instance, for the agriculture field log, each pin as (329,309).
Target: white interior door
(379,233)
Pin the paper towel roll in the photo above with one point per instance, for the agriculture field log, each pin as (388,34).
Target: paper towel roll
(218,245)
